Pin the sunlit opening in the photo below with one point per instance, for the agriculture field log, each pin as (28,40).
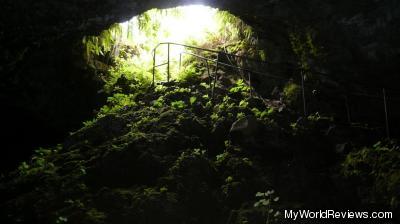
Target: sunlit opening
(175,25)
(192,25)
(129,46)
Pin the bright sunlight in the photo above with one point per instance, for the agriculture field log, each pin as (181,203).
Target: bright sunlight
(176,25)
(127,48)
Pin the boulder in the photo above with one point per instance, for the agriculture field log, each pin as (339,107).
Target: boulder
(244,130)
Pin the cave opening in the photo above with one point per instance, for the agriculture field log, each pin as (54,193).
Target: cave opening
(194,115)
(163,44)
(108,64)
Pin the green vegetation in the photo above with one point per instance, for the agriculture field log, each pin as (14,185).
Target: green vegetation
(168,150)
(125,50)
(291,93)
(100,46)
(240,87)
(175,153)
(267,203)
(376,172)
(305,50)
(157,136)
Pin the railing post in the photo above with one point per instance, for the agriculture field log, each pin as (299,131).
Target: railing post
(215,76)
(346,102)
(386,113)
(303,94)
(168,75)
(180,61)
(209,77)
(154,65)
(250,90)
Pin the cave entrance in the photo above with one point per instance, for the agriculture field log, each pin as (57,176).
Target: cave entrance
(125,53)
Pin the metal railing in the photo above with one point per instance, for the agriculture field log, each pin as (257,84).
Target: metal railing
(217,63)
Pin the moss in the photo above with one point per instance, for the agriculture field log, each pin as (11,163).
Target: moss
(149,157)
(291,94)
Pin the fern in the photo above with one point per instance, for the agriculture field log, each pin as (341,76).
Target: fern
(127,48)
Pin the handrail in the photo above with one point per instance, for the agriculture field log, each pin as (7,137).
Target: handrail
(248,70)
(236,67)
(221,63)
(212,85)
(255,60)
(199,56)
(215,77)
(209,50)
(216,61)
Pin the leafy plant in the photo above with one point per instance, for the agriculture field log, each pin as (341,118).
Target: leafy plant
(240,87)
(240,115)
(222,157)
(117,102)
(375,170)
(127,49)
(224,110)
(40,163)
(89,122)
(193,100)
(61,219)
(189,73)
(266,203)
(159,102)
(102,44)
(291,93)
(305,50)
(243,104)
(178,104)
(262,115)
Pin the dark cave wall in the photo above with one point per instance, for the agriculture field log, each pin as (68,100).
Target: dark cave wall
(358,33)
(46,90)
(49,95)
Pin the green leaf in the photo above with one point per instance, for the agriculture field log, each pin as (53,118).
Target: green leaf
(243,104)
(265,202)
(269,192)
(178,104)
(270,211)
(193,100)
(260,194)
